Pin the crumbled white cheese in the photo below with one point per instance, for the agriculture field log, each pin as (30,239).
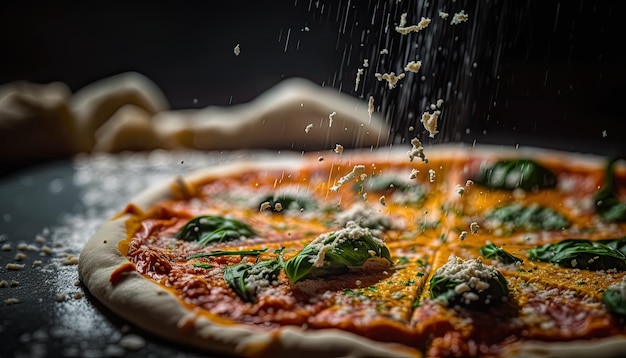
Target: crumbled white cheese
(11,301)
(431,175)
(359,73)
(132,342)
(417,150)
(351,231)
(237,50)
(382,201)
(424,22)
(338,148)
(278,207)
(460,190)
(402,19)
(459,17)
(6,247)
(10,266)
(474,227)
(462,235)
(331,117)
(413,174)
(413,66)
(391,78)
(4,283)
(430,122)
(308,128)
(366,63)
(19,256)
(265,205)
(443,15)
(471,275)
(384,51)
(357,172)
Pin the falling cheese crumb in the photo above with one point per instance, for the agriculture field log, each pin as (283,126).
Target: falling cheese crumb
(278,207)
(424,22)
(366,63)
(413,66)
(462,235)
(431,175)
(382,200)
(357,172)
(443,15)
(370,107)
(308,128)
(237,50)
(265,205)
(391,78)
(402,19)
(459,17)
(430,122)
(359,73)
(460,190)
(338,148)
(417,150)
(331,117)
(413,174)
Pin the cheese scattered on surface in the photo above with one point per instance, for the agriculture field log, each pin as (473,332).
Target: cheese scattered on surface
(459,17)
(11,301)
(237,50)
(471,274)
(265,205)
(132,342)
(413,66)
(357,173)
(474,227)
(417,150)
(430,122)
(4,283)
(19,256)
(308,127)
(14,266)
(391,78)
(424,22)
(6,247)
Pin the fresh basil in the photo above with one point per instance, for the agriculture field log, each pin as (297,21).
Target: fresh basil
(342,251)
(246,278)
(226,253)
(516,216)
(211,229)
(512,174)
(608,205)
(445,288)
(491,251)
(583,254)
(613,299)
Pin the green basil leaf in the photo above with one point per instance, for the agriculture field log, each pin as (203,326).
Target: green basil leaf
(211,229)
(608,205)
(533,217)
(445,288)
(491,251)
(613,299)
(343,249)
(584,254)
(245,279)
(512,174)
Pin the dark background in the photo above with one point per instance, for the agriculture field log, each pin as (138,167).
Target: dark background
(546,73)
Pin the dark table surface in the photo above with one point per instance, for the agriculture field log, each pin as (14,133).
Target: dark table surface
(47,213)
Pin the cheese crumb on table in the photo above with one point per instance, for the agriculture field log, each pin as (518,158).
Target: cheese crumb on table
(14,266)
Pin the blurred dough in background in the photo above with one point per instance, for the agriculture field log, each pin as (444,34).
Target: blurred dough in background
(128,112)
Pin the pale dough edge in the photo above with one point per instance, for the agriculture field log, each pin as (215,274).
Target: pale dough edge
(134,298)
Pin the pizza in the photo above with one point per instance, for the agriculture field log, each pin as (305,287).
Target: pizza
(396,252)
